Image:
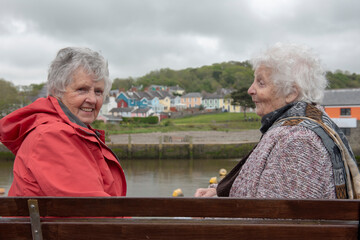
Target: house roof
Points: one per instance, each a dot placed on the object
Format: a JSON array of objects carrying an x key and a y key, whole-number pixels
[
  {"x": 149, "y": 95},
  {"x": 212, "y": 96},
  {"x": 192, "y": 94},
  {"x": 159, "y": 94},
  {"x": 142, "y": 95},
  {"x": 131, "y": 95},
  {"x": 339, "y": 97},
  {"x": 141, "y": 110},
  {"x": 175, "y": 88}
]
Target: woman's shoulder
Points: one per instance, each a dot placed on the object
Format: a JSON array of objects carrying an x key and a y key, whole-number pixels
[
  {"x": 54, "y": 126},
  {"x": 53, "y": 130},
  {"x": 298, "y": 141},
  {"x": 293, "y": 133}
]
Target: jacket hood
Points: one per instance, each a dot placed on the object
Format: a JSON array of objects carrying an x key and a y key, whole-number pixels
[{"x": 15, "y": 126}]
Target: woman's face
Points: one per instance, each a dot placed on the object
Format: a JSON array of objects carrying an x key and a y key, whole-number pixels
[
  {"x": 263, "y": 92},
  {"x": 84, "y": 96}
]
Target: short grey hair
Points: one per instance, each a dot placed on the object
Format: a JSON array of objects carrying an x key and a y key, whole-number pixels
[
  {"x": 292, "y": 66},
  {"x": 71, "y": 59}
]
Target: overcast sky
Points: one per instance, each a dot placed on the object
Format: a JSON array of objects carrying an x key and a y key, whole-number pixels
[{"x": 139, "y": 36}]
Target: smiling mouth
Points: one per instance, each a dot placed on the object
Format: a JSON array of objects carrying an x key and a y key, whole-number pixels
[{"x": 87, "y": 109}]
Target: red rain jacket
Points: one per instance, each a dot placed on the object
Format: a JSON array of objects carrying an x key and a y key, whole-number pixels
[{"x": 56, "y": 156}]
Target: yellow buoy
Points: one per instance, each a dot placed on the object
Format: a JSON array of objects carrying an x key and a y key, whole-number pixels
[
  {"x": 213, "y": 180},
  {"x": 178, "y": 193},
  {"x": 222, "y": 172}
]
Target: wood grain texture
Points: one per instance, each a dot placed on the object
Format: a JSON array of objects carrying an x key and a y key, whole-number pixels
[{"x": 182, "y": 218}]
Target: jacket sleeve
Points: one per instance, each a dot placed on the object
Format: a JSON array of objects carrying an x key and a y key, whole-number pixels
[
  {"x": 298, "y": 166},
  {"x": 62, "y": 164}
]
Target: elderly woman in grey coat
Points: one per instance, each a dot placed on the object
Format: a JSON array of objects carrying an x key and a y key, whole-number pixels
[{"x": 302, "y": 153}]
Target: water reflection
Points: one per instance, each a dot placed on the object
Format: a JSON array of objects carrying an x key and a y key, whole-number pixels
[
  {"x": 155, "y": 178},
  {"x": 6, "y": 175},
  {"x": 158, "y": 178}
]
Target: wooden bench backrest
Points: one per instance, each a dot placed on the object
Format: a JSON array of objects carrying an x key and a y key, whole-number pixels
[{"x": 180, "y": 218}]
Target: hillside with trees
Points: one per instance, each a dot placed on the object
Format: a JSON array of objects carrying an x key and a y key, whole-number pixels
[
  {"x": 341, "y": 79},
  {"x": 232, "y": 74},
  {"x": 207, "y": 78}
]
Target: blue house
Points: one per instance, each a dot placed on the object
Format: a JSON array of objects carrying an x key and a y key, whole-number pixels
[
  {"x": 154, "y": 102},
  {"x": 132, "y": 99}
]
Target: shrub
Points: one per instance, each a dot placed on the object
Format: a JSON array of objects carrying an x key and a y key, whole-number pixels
[
  {"x": 167, "y": 123},
  {"x": 98, "y": 124}
]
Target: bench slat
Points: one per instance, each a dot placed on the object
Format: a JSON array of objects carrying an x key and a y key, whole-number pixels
[
  {"x": 173, "y": 218},
  {"x": 207, "y": 231},
  {"x": 199, "y": 230},
  {"x": 15, "y": 231},
  {"x": 186, "y": 207}
]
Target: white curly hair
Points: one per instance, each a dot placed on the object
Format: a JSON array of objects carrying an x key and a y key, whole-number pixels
[{"x": 294, "y": 66}]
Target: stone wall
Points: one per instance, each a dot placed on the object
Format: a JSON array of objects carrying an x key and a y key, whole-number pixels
[{"x": 181, "y": 151}]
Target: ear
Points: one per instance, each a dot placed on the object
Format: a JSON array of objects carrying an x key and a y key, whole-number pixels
[{"x": 293, "y": 95}]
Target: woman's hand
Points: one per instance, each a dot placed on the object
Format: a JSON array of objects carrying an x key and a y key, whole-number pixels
[{"x": 205, "y": 192}]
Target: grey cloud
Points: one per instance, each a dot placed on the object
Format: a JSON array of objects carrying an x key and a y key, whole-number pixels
[{"x": 138, "y": 36}]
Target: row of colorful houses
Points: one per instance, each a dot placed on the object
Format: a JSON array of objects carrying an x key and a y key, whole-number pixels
[
  {"x": 342, "y": 105},
  {"x": 160, "y": 101}
]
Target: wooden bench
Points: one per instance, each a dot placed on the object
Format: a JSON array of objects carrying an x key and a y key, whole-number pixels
[{"x": 177, "y": 218}]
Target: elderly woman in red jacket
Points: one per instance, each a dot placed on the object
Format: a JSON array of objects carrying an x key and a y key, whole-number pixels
[
  {"x": 57, "y": 152},
  {"x": 302, "y": 153}
]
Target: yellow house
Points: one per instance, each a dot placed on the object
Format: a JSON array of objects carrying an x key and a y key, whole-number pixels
[
  {"x": 227, "y": 107},
  {"x": 166, "y": 102}
]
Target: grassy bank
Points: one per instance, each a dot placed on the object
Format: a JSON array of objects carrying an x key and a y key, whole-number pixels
[{"x": 209, "y": 122}]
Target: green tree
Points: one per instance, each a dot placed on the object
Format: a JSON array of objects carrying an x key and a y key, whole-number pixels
[
  {"x": 27, "y": 94},
  {"x": 121, "y": 83},
  {"x": 9, "y": 100},
  {"x": 242, "y": 98}
]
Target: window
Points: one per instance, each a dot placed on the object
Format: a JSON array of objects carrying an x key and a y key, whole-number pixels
[
  {"x": 346, "y": 131},
  {"x": 345, "y": 112}
]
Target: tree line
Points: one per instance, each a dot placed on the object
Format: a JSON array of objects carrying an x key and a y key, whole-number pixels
[{"x": 232, "y": 75}]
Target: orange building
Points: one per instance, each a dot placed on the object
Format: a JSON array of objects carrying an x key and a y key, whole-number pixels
[
  {"x": 343, "y": 107},
  {"x": 191, "y": 100},
  {"x": 342, "y": 103}
]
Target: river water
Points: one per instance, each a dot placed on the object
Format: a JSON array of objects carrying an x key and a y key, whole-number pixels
[{"x": 155, "y": 178}]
